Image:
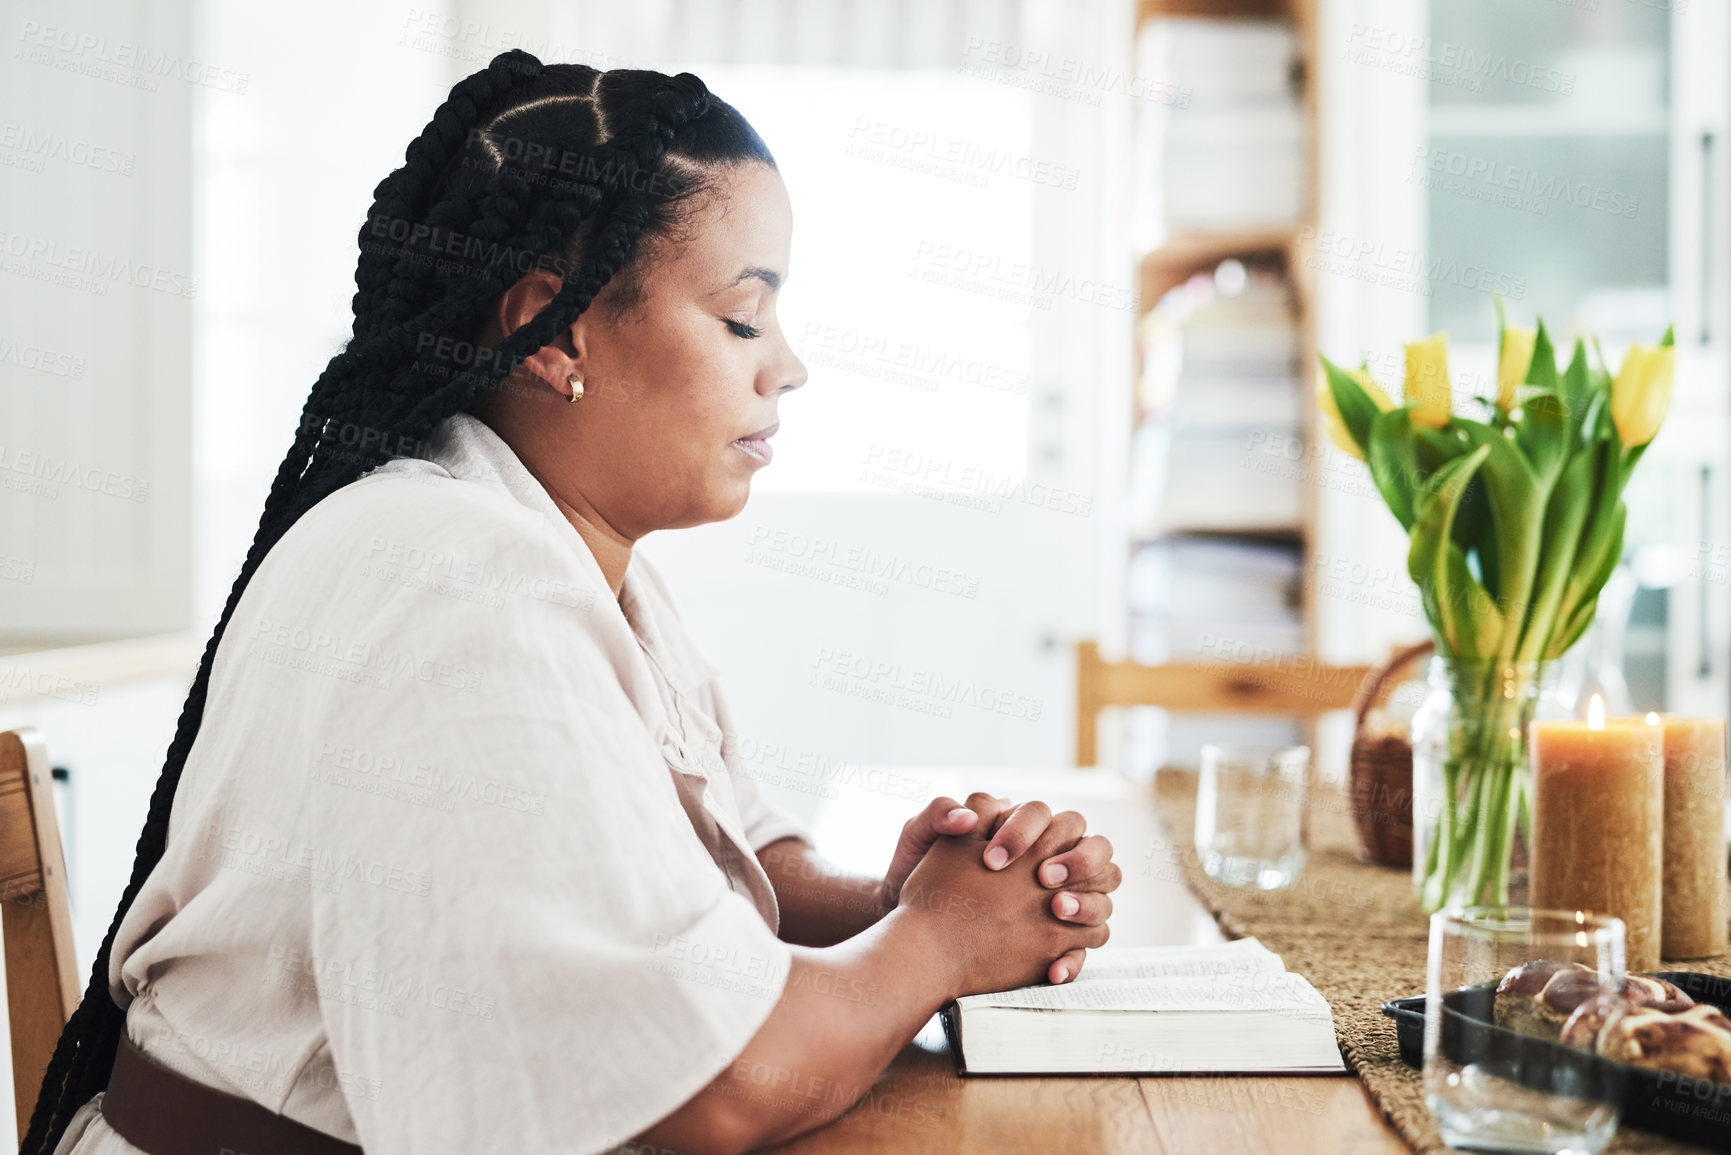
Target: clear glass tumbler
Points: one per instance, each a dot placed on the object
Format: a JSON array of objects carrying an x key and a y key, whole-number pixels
[
  {"x": 1250, "y": 827},
  {"x": 1497, "y": 1076}
]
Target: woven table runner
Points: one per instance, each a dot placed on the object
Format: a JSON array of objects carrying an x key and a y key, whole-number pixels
[{"x": 1356, "y": 933}]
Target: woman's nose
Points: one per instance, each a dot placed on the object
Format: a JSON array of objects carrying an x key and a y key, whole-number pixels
[{"x": 790, "y": 373}]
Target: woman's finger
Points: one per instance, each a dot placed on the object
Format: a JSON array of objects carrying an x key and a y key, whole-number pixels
[
  {"x": 991, "y": 809},
  {"x": 1067, "y": 966},
  {"x": 1019, "y": 830},
  {"x": 1088, "y": 866},
  {"x": 1062, "y": 833},
  {"x": 939, "y": 817},
  {"x": 1082, "y": 907}
]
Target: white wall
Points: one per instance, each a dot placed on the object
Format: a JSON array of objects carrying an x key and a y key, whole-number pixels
[{"x": 96, "y": 297}]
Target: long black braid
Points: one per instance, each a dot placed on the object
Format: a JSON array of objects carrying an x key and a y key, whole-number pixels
[{"x": 523, "y": 166}]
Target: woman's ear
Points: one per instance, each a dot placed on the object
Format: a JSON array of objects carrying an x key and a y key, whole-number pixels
[{"x": 562, "y": 357}]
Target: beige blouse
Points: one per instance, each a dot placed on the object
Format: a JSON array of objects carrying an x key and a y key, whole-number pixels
[{"x": 460, "y": 859}]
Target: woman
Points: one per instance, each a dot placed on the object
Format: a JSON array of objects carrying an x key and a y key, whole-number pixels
[{"x": 451, "y": 851}]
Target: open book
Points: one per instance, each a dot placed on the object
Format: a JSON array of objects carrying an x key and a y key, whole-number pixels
[{"x": 1151, "y": 1010}]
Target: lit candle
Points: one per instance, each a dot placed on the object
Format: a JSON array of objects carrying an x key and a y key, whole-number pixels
[
  {"x": 1598, "y": 823},
  {"x": 1693, "y": 922}
]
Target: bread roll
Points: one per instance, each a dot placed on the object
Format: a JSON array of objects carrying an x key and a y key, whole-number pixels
[
  {"x": 1541, "y": 997},
  {"x": 1695, "y": 1041},
  {"x": 1536, "y": 998}
]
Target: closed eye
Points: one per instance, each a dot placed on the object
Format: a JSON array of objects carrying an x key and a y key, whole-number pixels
[{"x": 741, "y": 329}]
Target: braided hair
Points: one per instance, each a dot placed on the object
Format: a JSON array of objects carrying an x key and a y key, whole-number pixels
[{"x": 524, "y": 166}]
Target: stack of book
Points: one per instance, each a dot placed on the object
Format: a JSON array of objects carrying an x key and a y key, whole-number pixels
[
  {"x": 1219, "y": 443},
  {"x": 1224, "y": 146},
  {"x": 1186, "y": 592}
]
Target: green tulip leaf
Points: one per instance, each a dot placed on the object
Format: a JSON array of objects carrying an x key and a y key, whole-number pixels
[
  {"x": 1570, "y": 632},
  {"x": 1576, "y": 384},
  {"x": 1473, "y": 610},
  {"x": 1517, "y": 497},
  {"x": 1595, "y": 423},
  {"x": 1579, "y": 394},
  {"x": 1462, "y": 612},
  {"x": 1475, "y": 532},
  {"x": 1565, "y": 514},
  {"x": 1610, "y": 554},
  {"x": 1600, "y": 551},
  {"x": 1490, "y": 561},
  {"x": 1602, "y": 535},
  {"x": 1357, "y": 410},
  {"x": 1436, "y": 448},
  {"x": 1543, "y": 371},
  {"x": 1545, "y": 429},
  {"x": 1393, "y": 460}
]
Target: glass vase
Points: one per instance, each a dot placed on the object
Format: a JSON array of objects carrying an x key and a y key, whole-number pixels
[{"x": 1471, "y": 792}]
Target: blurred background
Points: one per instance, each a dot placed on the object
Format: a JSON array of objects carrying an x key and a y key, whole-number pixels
[{"x": 1060, "y": 272}]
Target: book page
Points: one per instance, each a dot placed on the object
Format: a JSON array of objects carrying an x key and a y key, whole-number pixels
[
  {"x": 1258, "y": 992},
  {"x": 1244, "y": 956}
]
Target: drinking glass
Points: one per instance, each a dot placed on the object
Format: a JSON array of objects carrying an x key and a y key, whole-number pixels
[
  {"x": 1250, "y": 815},
  {"x": 1504, "y": 1082}
]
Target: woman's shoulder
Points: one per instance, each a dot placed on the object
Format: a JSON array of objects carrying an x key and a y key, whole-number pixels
[
  {"x": 406, "y": 541},
  {"x": 471, "y": 493},
  {"x": 412, "y": 498}
]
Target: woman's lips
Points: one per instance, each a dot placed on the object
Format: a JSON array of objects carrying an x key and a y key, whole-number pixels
[
  {"x": 758, "y": 447},
  {"x": 757, "y": 444}
]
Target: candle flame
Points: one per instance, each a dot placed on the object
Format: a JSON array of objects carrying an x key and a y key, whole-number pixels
[
  {"x": 1652, "y": 718},
  {"x": 1596, "y": 713}
]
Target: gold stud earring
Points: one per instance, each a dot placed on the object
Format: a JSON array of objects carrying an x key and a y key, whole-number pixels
[{"x": 576, "y": 384}]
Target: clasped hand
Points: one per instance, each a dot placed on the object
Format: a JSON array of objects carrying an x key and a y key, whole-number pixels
[{"x": 1073, "y": 864}]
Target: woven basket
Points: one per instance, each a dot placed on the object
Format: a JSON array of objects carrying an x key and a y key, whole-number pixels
[{"x": 1379, "y": 779}]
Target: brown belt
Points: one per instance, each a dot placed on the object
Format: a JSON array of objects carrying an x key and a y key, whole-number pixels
[{"x": 163, "y": 1112}]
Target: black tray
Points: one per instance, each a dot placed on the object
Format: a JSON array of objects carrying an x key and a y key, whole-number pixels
[{"x": 1666, "y": 1103}]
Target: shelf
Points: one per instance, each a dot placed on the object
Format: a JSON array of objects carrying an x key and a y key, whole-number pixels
[
  {"x": 1196, "y": 247},
  {"x": 1186, "y": 254},
  {"x": 1505, "y": 120},
  {"x": 1215, "y": 9},
  {"x": 1284, "y": 534},
  {"x": 1266, "y": 524}
]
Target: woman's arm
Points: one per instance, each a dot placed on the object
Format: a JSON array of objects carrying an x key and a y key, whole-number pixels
[
  {"x": 845, "y": 1010},
  {"x": 821, "y": 904}
]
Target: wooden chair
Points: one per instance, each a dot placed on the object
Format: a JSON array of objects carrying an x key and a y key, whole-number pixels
[
  {"x": 42, "y": 987},
  {"x": 1295, "y": 686}
]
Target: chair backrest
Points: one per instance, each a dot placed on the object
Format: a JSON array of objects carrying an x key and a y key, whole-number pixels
[
  {"x": 42, "y": 987},
  {"x": 1294, "y": 686}
]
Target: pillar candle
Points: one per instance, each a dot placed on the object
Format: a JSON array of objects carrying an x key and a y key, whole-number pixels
[
  {"x": 1693, "y": 918},
  {"x": 1598, "y": 824}
]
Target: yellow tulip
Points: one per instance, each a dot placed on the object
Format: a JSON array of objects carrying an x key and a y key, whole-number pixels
[
  {"x": 1641, "y": 392},
  {"x": 1513, "y": 361},
  {"x": 1330, "y": 412},
  {"x": 1427, "y": 381}
]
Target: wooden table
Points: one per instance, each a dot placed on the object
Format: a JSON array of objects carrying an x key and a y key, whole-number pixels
[{"x": 920, "y": 1104}]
